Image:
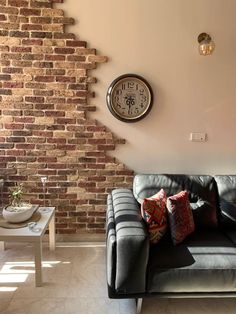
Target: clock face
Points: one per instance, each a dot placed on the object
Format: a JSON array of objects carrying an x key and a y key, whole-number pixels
[{"x": 129, "y": 98}]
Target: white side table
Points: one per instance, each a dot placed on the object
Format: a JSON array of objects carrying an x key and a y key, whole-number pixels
[{"x": 26, "y": 235}]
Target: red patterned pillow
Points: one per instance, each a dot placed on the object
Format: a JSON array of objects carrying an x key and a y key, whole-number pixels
[
  {"x": 154, "y": 213},
  {"x": 180, "y": 216}
]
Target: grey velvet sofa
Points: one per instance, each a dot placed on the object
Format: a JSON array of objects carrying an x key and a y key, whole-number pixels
[{"x": 204, "y": 265}]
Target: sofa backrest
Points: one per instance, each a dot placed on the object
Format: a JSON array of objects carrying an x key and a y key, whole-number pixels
[
  {"x": 202, "y": 193},
  {"x": 227, "y": 199}
]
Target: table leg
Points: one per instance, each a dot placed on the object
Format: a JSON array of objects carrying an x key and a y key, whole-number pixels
[
  {"x": 38, "y": 263},
  {"x": 2, "y": 245},
  {"x": 52, "y": 243}
]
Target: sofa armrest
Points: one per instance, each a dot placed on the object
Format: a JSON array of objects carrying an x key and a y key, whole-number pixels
[{"x": 127, "y": 244}]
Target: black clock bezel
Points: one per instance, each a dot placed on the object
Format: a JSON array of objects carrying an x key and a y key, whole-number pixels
[{"x": 109, "y": 98}]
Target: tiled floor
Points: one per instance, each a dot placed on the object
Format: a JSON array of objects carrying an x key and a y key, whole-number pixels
[{"x": 75, "y": 283}]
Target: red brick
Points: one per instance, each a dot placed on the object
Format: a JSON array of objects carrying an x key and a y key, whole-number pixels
[
  {"x": 21, "y": 49},
  {"x": 56, "y": 127},
  {"x": 41, "y": 35},
  {"x": 75, "y": 58},
  {"x": 32, "y": 42},
  {"x": 76, "y": 101},
  {"x": 42, "y": 133},
  {"x": 97, "y": 178},
  {"x": 36, "y": 140},
  {"x": 96, "y": 166},
  {"x": 43, "y": 64},
  {"x": 7, "y": 159},
  {"x": 77, "y": 141},
  {"x": 6, "y": 146},
  {"x": 56, "y": 140},
  {"x": 55, "y": 57},
  {"x": 29, "y": 12},
  {"x": 3, "y": 32},
  {"x": 64, "y": 35},
  {"x": 17, "y": 178},
  {"x": 12, "y": 112},
  {"x": 54, "y": 113},
  {"x": 23, "y": 64},
  {"x": 106, "y": 147},
  {"x": 125, "y": 172},
  {"x": 22, "y": 133},
  {"x": 19, "y": 34},
  {"x": 43, "y": 93},
  {"x": 18, "y": 3},
  {"x": 45, "y": 78},
  {"x": 13, "y": 126},
  {"x": 96, "y": 154},
  {"x": 96, "y": 141},
  {"x": 14, "y": 139},
  {"x": 24, "y": 119},
  {"x": 41, "y": 20},
  {"x": 63, "y": 20},
  {"x": 64, "y": 50},
  {"x": 44, "y": 106},
  {"x": 25, "y": 146},
  {"x": 9, "y": 10},
  {"x": 34, "y": 113},
  {"x": 31, "y": 27},
  {"x": 3, "y": 17},
  {"x": 40, "y": 4},
  {"x": 15, "y": 152},
  {"x": 76, "y": 43},
  {"x": 107, "y": 159},
  {"x": 35, "y": 85},
  {"x": 5, "y": 77},
  {"x": 66, "y": 79},
  {"x": 66, "y": 121},
  {"x": 55, "y": 72},
  {"x": 66, "y": 147},
  {"x": 58, "y": 100},
  {"x": 35, "y": 99},
  {"x": 12, "y": 70}
]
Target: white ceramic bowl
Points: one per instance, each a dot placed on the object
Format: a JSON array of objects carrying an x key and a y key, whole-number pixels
[{"x": 18, "y": 214}]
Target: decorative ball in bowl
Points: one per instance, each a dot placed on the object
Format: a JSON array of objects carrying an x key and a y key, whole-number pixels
[{"x": 20, "y": 213}]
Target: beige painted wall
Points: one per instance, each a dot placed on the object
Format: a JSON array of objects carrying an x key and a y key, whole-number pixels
[{"x": 158, "y": 40}]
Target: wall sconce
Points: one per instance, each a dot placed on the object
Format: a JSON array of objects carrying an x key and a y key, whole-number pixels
[{"x": 206, "y": 44}]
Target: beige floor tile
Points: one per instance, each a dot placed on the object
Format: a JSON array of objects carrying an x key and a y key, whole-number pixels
[
  {"x": 127, "y": 306},
  {"x": 36, "y": 306},
  {"x": 75, "y": 283},
  {"x": 158, "y": 306},
  {"x": 4, "y": 303},
  {"x": 102, "y": 306}
]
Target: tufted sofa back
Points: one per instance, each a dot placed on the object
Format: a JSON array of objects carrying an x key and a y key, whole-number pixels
[{"x": 202, "y": 193}]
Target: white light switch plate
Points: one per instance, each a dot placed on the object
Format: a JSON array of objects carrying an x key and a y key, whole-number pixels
[{"x": 198, "y": 137}]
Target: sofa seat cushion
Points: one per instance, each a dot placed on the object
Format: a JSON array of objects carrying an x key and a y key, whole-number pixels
[{"x": 204, "y": 262}]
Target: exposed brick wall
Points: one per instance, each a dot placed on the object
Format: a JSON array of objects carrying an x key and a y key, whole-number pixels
[{"x": 45, "y": 127}]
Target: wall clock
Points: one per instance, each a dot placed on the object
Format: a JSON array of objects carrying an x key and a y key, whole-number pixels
[{"x": 129, "y": 97}]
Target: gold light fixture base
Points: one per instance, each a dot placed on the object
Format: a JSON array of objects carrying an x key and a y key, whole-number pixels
[
  {"x": 206, "y": 44},
  {"x": 203, "y": 36}
]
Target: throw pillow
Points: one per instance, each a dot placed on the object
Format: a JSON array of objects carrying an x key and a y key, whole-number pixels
[
  {"x": 154, "y": 213},
  {"x": 180, "y": 216}
]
